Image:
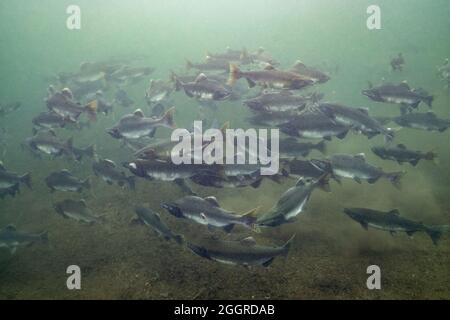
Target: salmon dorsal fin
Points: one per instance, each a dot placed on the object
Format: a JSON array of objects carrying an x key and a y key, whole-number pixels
[
  {"x": 212, "y": 200},
  {"x": 109, "y": 163},
  {"x": 404, "y": 85},
  {"x": 298, "y": 64},
  {"x": 401, "y": 146},
  {"x": 249, "y": 241},
  {"x": 139, "y": 113},
  {"x": 269, "y": 67},
  {"x": 395, "y": 212},
  {"x": 65, "y": 172},
  {"x": 200, "y": 77},
  {"x": 360, "y": 156},
  {"x": 2, "y": 167}
]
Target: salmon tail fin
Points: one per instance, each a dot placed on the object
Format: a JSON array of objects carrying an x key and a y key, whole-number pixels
[
  {"x": 287, "y": 245},
  {"x": 26, "y": 178},
  {"x": 235, "y": 74},
  {"x": 91, "y": 110},
  {"x": 167, "y": 118},
  {"x": 395, "y": 178},
  {"x": 436, "y": 232}
]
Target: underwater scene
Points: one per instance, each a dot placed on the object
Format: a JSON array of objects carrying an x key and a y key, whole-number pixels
[{"x": 195, "y": 149}]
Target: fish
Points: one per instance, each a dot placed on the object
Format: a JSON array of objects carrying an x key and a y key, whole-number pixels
[
  {"x": 402, "y": 154},
  {"x": 107, "y": 170},
  {"x": 10, "y": 181},
  {"x": 240, "y": 56},
  {"x": 315, "y": 126},
  {"x": 122, "y": 99},
  {"x": 423, "y": 121},
  {"x": 292, "y": 202},
  {"x": 292, "y": 147},
  {"x": 63, "y": 104},
  {"x": 207, "y": 211},
  {"x": 48, "y": 143},
  {"x": 152, "y": 219},
  {"x": 307, "y": 169},
  {"x": 76, "y": 210},
  {"x": 203, "y": 88},
  {"x": 209, "y": 65},
  {"x": 136, "y": 125},
  {"x": 356, "y": 118},
  {"x": 283, "y": 102},
  {"x": 235, "y": 176},
  {"x": 400, "y": 94},
  {"x": 167, "y": 171},
  {"x": 89, "y": 151},
  {"x": 355, "y": 167},
  {"x": 269, "y": 78},
  {"x": 397, "y": 63},
  {"x": 161, "y": 149},
  {"x": 244, "y": 252},
  {"x": 11, "y": 238},
  {"x": 158, "y": 91},
  {"x": 130, "y": 74},
  {"x": 49, "y": 120},
  {"x": 312, "y": 73},
  {"x": 392, "y": 222},
  {"x": 64, "y": 180},
  {"x": 9, "y": 108}
]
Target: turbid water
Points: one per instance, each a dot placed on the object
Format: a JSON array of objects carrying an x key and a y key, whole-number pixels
[{"x": 330, "y": 254}]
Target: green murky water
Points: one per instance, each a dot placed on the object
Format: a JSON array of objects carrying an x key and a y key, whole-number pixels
[{"x": 330, "y": 253}]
